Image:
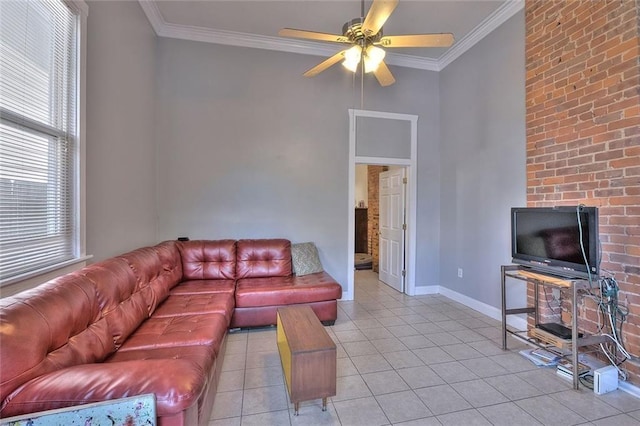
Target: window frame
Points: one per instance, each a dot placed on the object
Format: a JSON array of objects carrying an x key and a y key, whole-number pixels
[{"x": 34, "y": 277}]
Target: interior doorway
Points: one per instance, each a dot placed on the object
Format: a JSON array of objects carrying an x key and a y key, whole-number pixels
[
  {"x": 380, "y": 222},
  {"x": 392, "y": 209},
  {"x": 388, "y": 141}
]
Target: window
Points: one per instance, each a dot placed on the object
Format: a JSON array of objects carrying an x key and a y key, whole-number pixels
[{"x": 39, "y": 142}]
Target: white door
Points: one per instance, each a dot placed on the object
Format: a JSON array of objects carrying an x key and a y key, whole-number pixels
[{"x": 392, "y": 226}]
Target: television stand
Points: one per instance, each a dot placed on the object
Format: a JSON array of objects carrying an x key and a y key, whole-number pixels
[
  {"x": 548, "y": 278},
  {"x": 536, "y": 335}
]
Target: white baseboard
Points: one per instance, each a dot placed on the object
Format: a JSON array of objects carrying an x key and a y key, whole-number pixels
[
  {"x": 490, "y": 311},
  {"x": 346, "y": 296},
  {"x": 429, "y": 289},
  {"x": 629, "y": 388}
]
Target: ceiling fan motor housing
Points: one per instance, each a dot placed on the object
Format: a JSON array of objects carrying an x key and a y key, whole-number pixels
[{"x": 353, "y": 31}]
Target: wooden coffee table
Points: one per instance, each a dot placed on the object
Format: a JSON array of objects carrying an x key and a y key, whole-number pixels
[{"x": 308, "y": 356}]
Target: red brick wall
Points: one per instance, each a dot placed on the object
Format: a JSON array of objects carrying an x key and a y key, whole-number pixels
[
  {"x": 373, "y": 219},
  {"x": 583, "y": 130}
]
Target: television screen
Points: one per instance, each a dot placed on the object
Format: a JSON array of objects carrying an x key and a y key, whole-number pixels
[{"x": 557, "y": 240}]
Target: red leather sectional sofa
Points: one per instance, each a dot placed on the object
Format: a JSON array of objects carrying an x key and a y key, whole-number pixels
[{"x": 153, "y": 320}]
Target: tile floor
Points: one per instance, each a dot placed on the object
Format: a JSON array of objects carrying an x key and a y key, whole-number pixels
[{"x": 423, "y": 360}]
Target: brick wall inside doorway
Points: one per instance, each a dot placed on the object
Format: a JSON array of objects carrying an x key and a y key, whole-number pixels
[{"x": 373, "y": 213}]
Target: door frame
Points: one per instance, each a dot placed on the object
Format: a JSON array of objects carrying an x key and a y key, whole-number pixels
[{"x": 412, "y": 174}]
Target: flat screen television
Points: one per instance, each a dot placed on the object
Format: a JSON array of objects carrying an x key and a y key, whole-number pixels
[{"x": 561, "y": 241}]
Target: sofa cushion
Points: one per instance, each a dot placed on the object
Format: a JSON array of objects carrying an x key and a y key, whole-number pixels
[
  {"x": 202, "y": 355},
  {"x": 276, "y": 291},
  {"x": 171, "y": 264},
  {"x": 52, "y": 326},
  {"x": 208, "y": 260},
  {"x": 183, "y": 330},
  {"x": 305, "y": 259},
  {"x": 204, "y": 286},
  {"x": 151, "y": 277},
  {"x": 263, "y": 258},
  {"x": 191, "y": 304},
  {"x": 177, "y": 384},
  {"x": 122, "y": 302}
]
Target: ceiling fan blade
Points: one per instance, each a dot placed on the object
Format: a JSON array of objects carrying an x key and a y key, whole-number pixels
[
  {"x": 378, "y": 14},
  {"x": 417, "y": 40},
  {"x": 383, "y": 75},
  {"x": 312, "y": 35},
  {"x": 325, "y": 64}
]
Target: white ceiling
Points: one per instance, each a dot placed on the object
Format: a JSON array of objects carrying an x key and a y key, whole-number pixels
[{"x": 255, "y": 23}]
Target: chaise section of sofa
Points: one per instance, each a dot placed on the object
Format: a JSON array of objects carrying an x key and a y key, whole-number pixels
[{"x": 266, "y": 283}]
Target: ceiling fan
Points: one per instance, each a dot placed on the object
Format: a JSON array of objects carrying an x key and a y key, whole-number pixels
[{"x": 365, "y": 34}]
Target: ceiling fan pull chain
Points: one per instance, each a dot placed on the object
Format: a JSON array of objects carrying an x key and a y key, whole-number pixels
[{"x": 362, "y": 75}]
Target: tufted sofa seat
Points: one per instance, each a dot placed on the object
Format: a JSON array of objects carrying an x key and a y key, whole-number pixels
[
  {"x": 153, "y": 320},
  {"x": 265, "y": 283}
]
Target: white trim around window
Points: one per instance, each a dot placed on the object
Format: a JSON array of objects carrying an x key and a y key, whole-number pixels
[{"x": 43, "y": 129}]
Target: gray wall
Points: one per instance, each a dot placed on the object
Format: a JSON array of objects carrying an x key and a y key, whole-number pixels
[
  {"x": 482, "y": 160},
  {"x": 209, "y": 141},
  {"x": 121, "y": 180},
  {"x": 380, "y": 137},
  {"x": 417, "y": 92},
  {"x": 249, "y": 148}
]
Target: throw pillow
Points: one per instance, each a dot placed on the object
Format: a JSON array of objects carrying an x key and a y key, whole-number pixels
[{"x": 305, "y": 259}]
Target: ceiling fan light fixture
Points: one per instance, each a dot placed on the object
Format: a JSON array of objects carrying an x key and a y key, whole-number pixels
[
  {"x": 352, "y": 58},
  {"x": 372, "y": 58}
]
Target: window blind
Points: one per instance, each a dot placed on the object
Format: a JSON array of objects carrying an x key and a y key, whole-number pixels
[{"x": 38, "y": 61}]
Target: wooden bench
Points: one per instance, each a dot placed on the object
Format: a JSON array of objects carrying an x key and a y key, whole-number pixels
[{"x": 308, "y": 356}]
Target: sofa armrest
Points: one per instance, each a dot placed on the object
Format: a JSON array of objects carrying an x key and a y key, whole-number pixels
[{"x": 177, "y": 384}]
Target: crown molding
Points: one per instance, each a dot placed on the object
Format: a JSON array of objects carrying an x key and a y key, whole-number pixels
[
  {"x": 154, "y": 16},
  {"x": 163, "y": 28},
  {"x": 493, "y": 21},
  {"x": 411, "y": 61},
  {"x": 233, "y": 38},
  {"x": 239, "y": 39}
]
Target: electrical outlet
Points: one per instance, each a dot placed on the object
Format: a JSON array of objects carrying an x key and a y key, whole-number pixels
[{"x": 459, "y": 272}]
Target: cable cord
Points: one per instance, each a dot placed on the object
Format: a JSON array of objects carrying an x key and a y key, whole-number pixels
[
  {"x": 584, "y": 254},
  {"x": 609, "y": 309},
  {"x": 621, "y": 372},
  {"x": 546, "y": 298},
  {"x": 612, "y": 311},
  {"x": 586, "y": 381}
]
